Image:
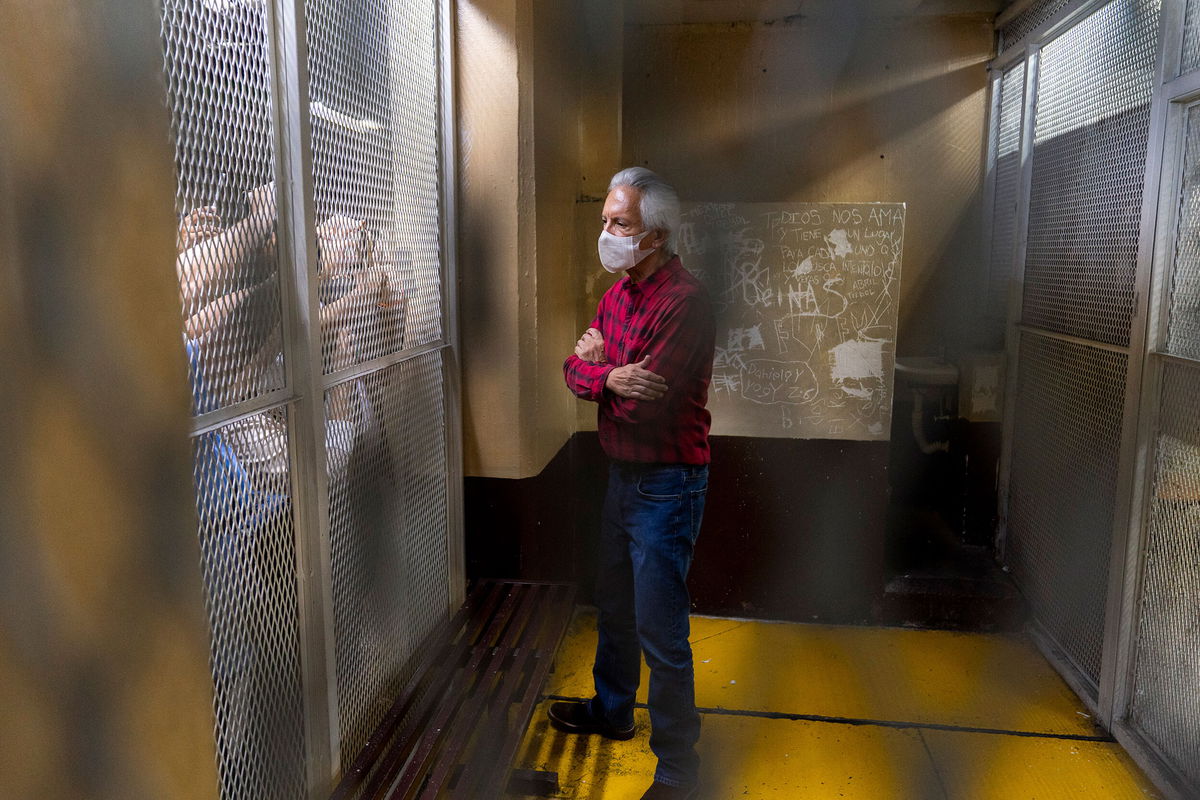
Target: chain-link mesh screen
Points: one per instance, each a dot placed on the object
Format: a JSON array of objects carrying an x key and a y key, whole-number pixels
[
  {"x": 248, "y": 555},
  {"x": 218, "y": 81},
  {"x": 1092, "y": 128},
  {"x": 1191, "y": 38},
  {"x": 1007, "y": 185},
  {"x": 1166, "y": 697},
  {"x": 374, "y": 100},
  {"x": 1183, "y": 336},
  {"x": 1029, "y": 20},
  {"x": 387, "y": 479},
  {"x": 1065, "y": 448}
]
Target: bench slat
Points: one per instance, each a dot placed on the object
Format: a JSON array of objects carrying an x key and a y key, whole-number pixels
[
  {"x": 456, "y": 726},
  {"x": 492, "y": 700},
  {"x": 429, "y": 679},
  {"x": 485, "y": 659},
  {"x": 527, "y": 678},
  {"x": 558, "y": 613}
]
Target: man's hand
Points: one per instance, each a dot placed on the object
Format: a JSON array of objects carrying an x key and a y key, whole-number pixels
[
  {"x": 261, "y": 200},
  {"x": 197, "y": 225},
  {"x": 636, "y": 382},
  {"x": 340, "y": 243},
  {"x": 590, "y": 346}
]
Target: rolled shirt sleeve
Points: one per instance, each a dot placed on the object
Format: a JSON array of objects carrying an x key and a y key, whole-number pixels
[{"x": 584, "y": 378}]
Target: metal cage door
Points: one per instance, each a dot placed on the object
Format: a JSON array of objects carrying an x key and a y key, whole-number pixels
[{"x": 315, "y": 272}]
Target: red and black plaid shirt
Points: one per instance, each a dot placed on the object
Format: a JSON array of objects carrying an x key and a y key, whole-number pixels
[{"x": 667, "y": 317}]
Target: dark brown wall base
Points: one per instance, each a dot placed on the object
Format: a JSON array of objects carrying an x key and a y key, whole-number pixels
[
  {"x": 539, "y": 528},
  {"x": 793, "y": 529}
]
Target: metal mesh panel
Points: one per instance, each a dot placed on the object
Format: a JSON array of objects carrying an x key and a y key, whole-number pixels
[
  {"x": 1093, "y": 116},
  {"x": 248, "y": 557},
  {"x": 1030, "y": 20},
  {"x": 1007, "y": 184},
  {"x": 1063, "y": 487},
  {"x": 1183, "y": 337},
  {"x": 374, "y": 95},
  {"x": 1191, "y": 38},
  {"x": 218, "y": 82},
  {"x": 387, "y": 475},
  {"x": 1166, "y": 698}
]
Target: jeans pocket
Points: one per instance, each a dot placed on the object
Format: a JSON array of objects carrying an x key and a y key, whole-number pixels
[
  {"x": 697, "y": 513},
  {"x": 661, "y": 484}
]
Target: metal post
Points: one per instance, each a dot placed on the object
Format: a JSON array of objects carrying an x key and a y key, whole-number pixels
[
  {"x": 1017, "y": 291},
  {"x": 1164, "y": 169},
  {"x": 306, "y": 420},
  {"x": 451, "y": 372},
  {"x": 995, "y": 82}
]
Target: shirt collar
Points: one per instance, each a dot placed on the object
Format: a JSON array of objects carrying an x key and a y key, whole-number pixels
[{"x": 659, "y": 277}]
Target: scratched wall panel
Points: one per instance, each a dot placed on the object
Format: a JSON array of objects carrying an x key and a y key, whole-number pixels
[{"x": 805, "y": 300}]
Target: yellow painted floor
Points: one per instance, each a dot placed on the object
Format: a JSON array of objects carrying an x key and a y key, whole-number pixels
[{"x": 817, "y": 711}]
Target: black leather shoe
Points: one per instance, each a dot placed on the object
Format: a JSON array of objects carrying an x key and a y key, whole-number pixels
[
  {"x": 661, "y": 791},
  {"x": 574, "y": 717}
]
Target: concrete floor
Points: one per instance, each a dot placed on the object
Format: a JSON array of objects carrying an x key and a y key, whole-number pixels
[{"x": 818, "y": 711}]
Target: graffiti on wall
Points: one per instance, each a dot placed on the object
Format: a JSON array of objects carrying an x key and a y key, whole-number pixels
[{"x": 805, "y": 296}]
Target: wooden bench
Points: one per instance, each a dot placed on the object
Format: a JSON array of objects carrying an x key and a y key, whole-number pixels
[{"x": 455, "y": 728}]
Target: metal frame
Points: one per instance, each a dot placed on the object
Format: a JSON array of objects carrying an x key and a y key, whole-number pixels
[
  {"x": 331, "y": 379},
  {"x": 1176, "y": 95},
  {"x": 1070, "y": 339},
  {"x": 1142, "y": 478},
  {"x": 451, "y": 369},
  {"x": 306, "y": 420},
  {"x": 1152, "y": 763},
  {"x": 1049, "y": 30},
  {"x": 995, "y": 80},
  {"x": 1144, "y": 751},
  {"x": 1016, "y": 295},
  {"x": 1031, "y": 53},
  {"x": 219, "y": 418},
  {"x": 1172, "y": 97},
  {"x": 1125, "y": 560},
  {"x": 1184, "y": 86},
  {"x": 305, "y": 385}
]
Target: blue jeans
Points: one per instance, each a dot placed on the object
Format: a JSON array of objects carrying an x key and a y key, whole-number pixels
[{"x": 648, "y": 531}]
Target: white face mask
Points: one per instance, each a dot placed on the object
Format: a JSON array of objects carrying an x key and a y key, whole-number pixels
[{"x": 619, "y": 253}]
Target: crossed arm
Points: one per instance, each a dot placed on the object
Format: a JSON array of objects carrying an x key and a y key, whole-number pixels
[
  {"x": 633, "y": 381},
  {"x": 643, "y": 390}
]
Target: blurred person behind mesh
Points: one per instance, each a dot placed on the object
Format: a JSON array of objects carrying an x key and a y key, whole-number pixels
[
  {"x": 229, "y": 288},
  {"x": 230, "y": 294}
]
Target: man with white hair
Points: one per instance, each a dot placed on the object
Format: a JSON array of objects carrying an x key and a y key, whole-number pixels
[{"x": 646, "y": 360}]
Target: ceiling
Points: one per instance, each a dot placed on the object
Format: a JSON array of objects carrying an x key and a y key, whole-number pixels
[{"x": 670, "y": 12}]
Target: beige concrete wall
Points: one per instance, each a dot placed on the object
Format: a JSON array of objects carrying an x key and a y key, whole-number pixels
[
  {"x": 734, "y": 100},
  {"x": 492, "y": 241},
  {"x": 105, "y": 690},
  {"x": 601, "y": 89},
  {"x": 847, "y": 102},
  {"x": 557, "y": 172},
  {"x": 539, "y": 88},
  {"x": 844, "y": 102}
]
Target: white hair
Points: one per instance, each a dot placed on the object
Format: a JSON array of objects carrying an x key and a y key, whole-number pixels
[{"x": 658, "y": 201}]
